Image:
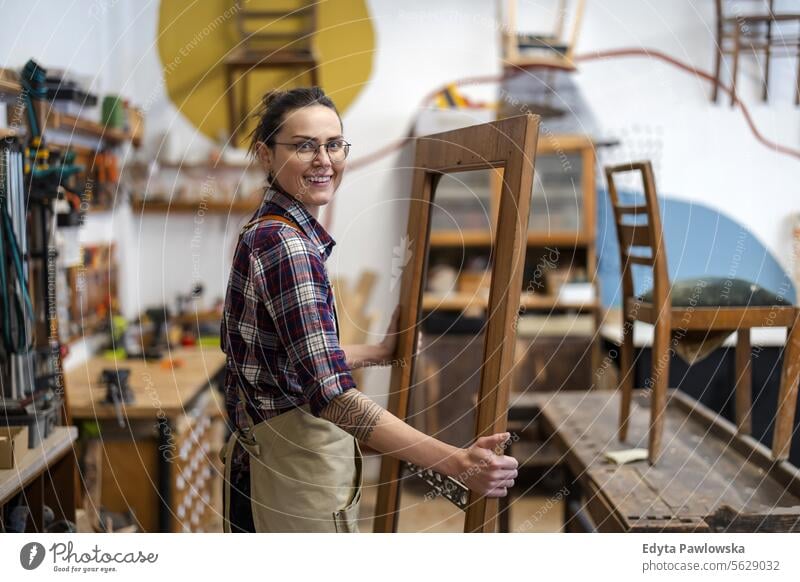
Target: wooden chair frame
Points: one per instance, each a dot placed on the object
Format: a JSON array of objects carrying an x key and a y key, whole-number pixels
[
  {"x": 754, "y": 33},
  {"x": 245, "y": 58},
  {"x": 667, "y": 318},
  {"x": 511, "y": 50},
  {"x": 509, "y": 144}
]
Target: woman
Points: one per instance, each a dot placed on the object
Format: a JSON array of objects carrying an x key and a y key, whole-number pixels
[{"x": 293, "y": 463}]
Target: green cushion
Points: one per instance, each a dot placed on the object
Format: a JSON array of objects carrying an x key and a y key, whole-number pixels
[{"x": 720, "y": 292}]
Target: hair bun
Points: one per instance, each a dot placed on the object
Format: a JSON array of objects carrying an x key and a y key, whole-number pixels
[
  {"x": 273, "y": 96},
  {"x": 274, "y": 107}
]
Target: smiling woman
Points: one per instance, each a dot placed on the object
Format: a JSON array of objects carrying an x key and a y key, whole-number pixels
[
  {"x": 294, "y": 129},
  {"x": 293, "y": 462}
]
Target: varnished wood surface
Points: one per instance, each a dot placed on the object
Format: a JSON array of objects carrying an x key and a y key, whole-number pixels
[
  {"x": 509, "y": 144},
  {"x": 708, "y": 478},
  {"x": 36, "y": 460},
  {"x": 158, "y": 390}
]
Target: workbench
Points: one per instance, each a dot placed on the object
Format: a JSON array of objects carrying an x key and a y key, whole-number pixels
[
  {"x": 162, "y": 464},
  {"x": 708, "y": 479},
  {"x": 46, "y": 476},
  {"x": 711, "y": 380}
]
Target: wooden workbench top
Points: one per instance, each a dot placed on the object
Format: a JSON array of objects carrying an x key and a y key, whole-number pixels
[
  {"x": 643, "y": 333},
  {"x": 36, "y": 460},
  {"x": 707, "y": 479},
  {"x": 159, "y": 391}
]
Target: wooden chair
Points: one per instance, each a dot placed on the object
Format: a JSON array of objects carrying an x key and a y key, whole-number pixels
[
  {"x": 635, "y": 236},
  {"x": 753, "y": 31},
  {"x": 270, "y": 39},
  {"x": 552, "y": 49}
]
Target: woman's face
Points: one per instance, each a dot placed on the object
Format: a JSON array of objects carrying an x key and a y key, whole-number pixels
[{"x": 311, "y": 182}]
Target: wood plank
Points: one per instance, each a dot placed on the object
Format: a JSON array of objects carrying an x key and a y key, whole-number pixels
[
  {"x": 72, "y": 124},
  {"x": 744, "y": 382},
  {"x": 9, "y": 90},
  {"x": 787, "y": 396},
  {"x": 483, "y": 237},
  {"x": 634, "y": 235},
  {"x": 239, "y": 206},
  {"x": 634, "y": 209},
  {"x": 638, "y": 260},
  {"x": 460, "y": 301}
]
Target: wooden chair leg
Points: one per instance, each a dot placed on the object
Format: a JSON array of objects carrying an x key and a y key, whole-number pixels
[
  {"x": 787, "y": 395},
  {"x": 660, "y": 381},
  {"x": 797, "y": 81},
  {"x": 231, "y": 99},
  {"x": 433, "y": 394},
  {"x": 735, "y": 72},
  {"x": 504, "y": 514},
  {"x": 744, "y": 382},
  {"x": 717, "y": 65},
  {"x": 244, "y": 104},
  {"x": 626, "y": 378},
  {"x": 767, "y": 58}
]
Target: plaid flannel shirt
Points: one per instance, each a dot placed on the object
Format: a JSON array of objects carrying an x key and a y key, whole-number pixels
[{"x": 279, "y": 329}]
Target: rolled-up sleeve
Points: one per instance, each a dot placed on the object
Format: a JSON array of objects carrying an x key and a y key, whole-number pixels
[{"x": 289, "y": 277}]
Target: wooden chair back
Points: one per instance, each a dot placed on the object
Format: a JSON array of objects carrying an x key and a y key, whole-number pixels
[
  {"x": 290, "y": 28},
  {"x": 639, "y": 230}
]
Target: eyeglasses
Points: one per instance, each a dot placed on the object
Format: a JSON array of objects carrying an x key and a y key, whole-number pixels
[{"x": 307, "y": 151}]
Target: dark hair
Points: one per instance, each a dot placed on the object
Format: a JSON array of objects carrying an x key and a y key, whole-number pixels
[{"x": 275, "y": 105}]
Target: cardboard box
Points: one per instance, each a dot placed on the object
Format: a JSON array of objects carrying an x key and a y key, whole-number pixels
[{"x": 13, "y": 444}]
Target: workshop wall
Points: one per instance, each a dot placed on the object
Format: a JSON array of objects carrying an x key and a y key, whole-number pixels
[{"x": 697, "y": 147}]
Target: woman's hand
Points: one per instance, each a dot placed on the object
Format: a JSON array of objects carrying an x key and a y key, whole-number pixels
[
  {"x": 389, "y": 343},
  {"x": 381, "y": 354},
  {"x": 485, "y": 469}
]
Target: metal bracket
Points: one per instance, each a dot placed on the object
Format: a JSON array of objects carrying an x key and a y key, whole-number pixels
[{"x": 451, "y": 489}]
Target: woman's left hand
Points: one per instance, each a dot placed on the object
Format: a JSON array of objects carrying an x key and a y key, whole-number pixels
[{"x": 389, "y": 343}]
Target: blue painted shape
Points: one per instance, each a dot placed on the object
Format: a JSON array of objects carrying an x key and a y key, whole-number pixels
[{"x": 700, "y": 242}]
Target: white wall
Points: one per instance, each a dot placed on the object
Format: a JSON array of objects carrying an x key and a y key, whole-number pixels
[{"x": 709, "y": 155}]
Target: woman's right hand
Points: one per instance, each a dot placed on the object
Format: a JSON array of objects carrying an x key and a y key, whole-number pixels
[{"x": 485, "y": 469}]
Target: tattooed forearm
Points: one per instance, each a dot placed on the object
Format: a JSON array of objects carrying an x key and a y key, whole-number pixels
[{"x": 354, "y": 413}]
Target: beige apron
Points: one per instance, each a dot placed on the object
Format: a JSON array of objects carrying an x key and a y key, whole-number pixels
[
  {"x": 305, "y": 475},
  {"x": 305, "y": 472}
]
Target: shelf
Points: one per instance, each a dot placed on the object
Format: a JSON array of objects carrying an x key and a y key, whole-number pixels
[
  {"x": 71, "y": 124},
  {"x": 8, "y": 132},
  {"x": 9, "y": 90},
  {"x": 457, "y": 238},
  {"x": 91, "y": 324},
  {"x": 35, "y": 461},
  {"x": 161, "y": 207},
  {"x": 472, "y": 238},
  {"x": 531, "y": 301},
  {"x": 221, "y": 165},
  {"x": 461, "y": 301}
]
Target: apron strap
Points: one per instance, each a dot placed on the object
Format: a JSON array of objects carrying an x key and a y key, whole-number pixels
[
  {"x": 266, "y": 217},
  {"x": 246, "y": 438},
  {"x": 227, "y": 458}
]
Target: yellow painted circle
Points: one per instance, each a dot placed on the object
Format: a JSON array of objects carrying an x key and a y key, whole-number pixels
[{"x": 194, "y": 40}]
